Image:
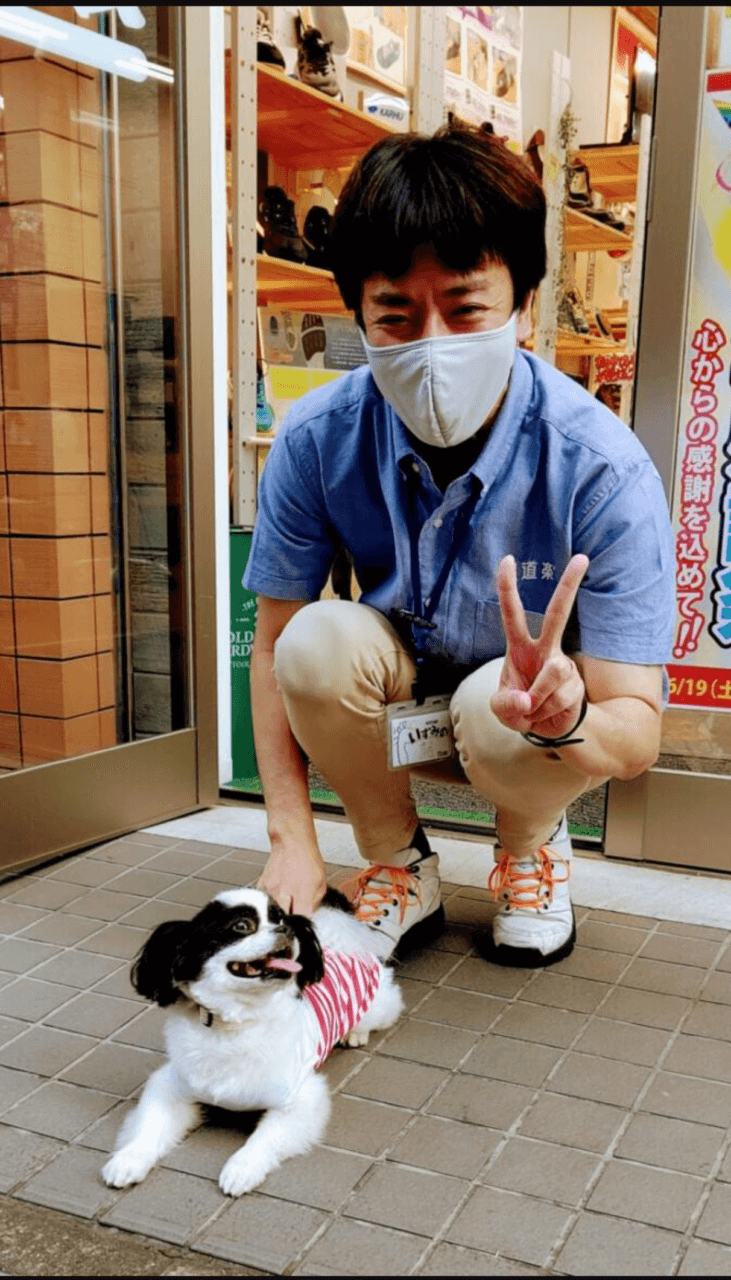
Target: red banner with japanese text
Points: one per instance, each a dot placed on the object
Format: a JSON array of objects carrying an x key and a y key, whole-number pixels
[{"x": 700, "y": 674}]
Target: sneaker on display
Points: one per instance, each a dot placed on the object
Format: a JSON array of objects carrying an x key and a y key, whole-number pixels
[
  {"x": 400, "y": 904},
  {"x": 535, "y": 924},
  {"x": 266, "y": 50}
]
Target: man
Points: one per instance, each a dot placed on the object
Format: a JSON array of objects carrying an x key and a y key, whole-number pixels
[{"x": 511, "y": 541}]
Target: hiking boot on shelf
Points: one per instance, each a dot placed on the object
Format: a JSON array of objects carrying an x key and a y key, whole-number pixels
[
  {"x": 315, "y": 63},
  {"x": 281, "y": 237}
]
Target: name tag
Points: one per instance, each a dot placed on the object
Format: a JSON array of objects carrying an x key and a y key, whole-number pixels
[{"x": 419, "y": 735}]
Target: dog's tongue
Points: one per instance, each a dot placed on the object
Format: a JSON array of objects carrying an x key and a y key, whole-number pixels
[{"x": 280, "y": 962}]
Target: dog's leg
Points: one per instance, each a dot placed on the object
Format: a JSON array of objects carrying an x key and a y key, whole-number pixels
[
  {"x": 384, "y": 1011},
  {"x": 160, "y": 1120},
  {"x": 282, "y": 1132}
]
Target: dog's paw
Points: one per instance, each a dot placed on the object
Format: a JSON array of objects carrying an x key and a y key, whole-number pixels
[
  {"x": 125, "y": 1167},
  {"x": 355, "y": 1039},
  {"x": 239, "y": 1176}
]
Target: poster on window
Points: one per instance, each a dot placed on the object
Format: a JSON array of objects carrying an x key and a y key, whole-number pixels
[
  {"x": 482, "y": 68},
  {"x": 378, "y": 40},
  {"x": 700, "y": 675},
  {"x": 299, "y": 352}
]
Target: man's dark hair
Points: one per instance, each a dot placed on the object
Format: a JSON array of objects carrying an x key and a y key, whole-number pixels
[{"x": 459, "y": 190}]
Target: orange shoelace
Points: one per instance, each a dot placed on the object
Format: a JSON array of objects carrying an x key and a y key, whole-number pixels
[
  {"x": 371, "y": 898},
  {"x": 532, "y": 889}
]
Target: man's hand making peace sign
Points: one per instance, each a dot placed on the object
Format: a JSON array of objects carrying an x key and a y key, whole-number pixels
[{"x": 540, "y": 690}]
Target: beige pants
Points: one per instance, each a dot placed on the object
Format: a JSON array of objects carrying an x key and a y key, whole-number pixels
[{"x": 338, "y": 665}]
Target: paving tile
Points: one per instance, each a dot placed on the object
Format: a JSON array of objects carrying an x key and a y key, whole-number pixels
[
  {"x": 363, "y": 1126},
  {"x": 72, "y": 1184},
  {"x": 718, "y": 988},
  {"x": 22, "y": 1154},
  {"x": 60, "y": 1110},
  {"x": 14, "y": 917},
  {"x": 623, "y": 1041},
  {"x": 612, "y": 937},
  {"x": 77, "y": 969},
  {"x": 699, "y": 1056},
  {"x": 232, "y": 871},
  {"x": 715, "y": 1221},
  {"x": 680, "y": 950},
  {"x": 645, "y": 1008},
  {"x": 502, "y": 1058},
  {"x": 426, "y": 965},
  {"x": 119, "y": 940},
  {"x": 456, "y": 938},
  {"x": 19, "y": 955},
  {"x": 705, "y": 1259},
  {"x": 119, "y": 984},
  {"x": 455, "y": 1260},
  {"x": 446, "y": 1146},
  {"x": 542, "y": 1169},
  {"x": 350, "y": 1248},
  {"x": 724, "y": 964},
  {"x": 178, "y": 862},
  {"x": 489, "y": 1102},
  {"x": 204, "y": 1152},
  {"x": 655, "y": 1196},
  {"x": 622, "y": 917},
  {"x": 151, "y": 837},
  {"x": 661, "y": 976},
  {"x": 692, "y": 930},
  {"x": 31, "y": 1000},
  {"x": 341, "y": 1064},
  {"x": 671, "y": 1144},
  {"x": 116, "y": 1068},
  {"x": 49, "y": 894},
  {"x": 144, "y": 882},
  {"x": 724, "y": 1173},
  {"x": 260, "y": 1231},
  {"x": 44, "y": 1050},
  {"x": 468, "y": 1009},
  {"x": 14, "y": 1085},
  {"x": 585, "y": 1076},
  {"x": 592, "y": 962},
  {"x": 405, "y": 1084},
  {"x": 10, "y": 1028},
  {"x": 322, "y": 1179},
  {"x": 572, "y": 1122},
  {"x": 540, "y": 1024},
  {"x": 462, "y": 908},
  {"x": 94, "y": 1014},
  {"x": 426, "y": 1042},
  {"x": 581, "y": 995},
  {"x": 415, "y": 1200},
  {"x": 104, "y": 904},
  {"x": 475, "y": 974},
  {"x": 153, "y": 913},
  {"x": 102, "y": 1134},
  {"x": 147, "y": 1031},
  {"x": 85, "y": 871},
  {"x": 193, "y": 892},
  {"x": 683, "y": 1098},
  {"x": 168, "y": 1206},
  {"x": 125, "y": 852},
  {"x": 65, "y": 930},
  {"x": 605, "y": 1246},
  {"x": 520, "y": 1227}
]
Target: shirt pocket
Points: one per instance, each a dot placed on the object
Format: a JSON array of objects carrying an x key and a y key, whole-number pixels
[{"x": 489, "y": 636}]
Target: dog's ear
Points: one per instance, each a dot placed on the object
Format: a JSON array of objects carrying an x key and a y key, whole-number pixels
[
  {"x": 152, "y": 971},
  {"x": 310, "y": 952}
]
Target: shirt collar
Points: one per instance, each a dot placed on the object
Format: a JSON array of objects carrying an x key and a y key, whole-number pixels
[{"x": 504, "y": 429}]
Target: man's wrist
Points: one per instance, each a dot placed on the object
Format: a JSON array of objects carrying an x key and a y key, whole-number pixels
[{"x": 565, "y": 739}]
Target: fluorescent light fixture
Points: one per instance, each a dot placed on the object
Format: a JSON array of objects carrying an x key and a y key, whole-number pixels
[{"x": 52, "y": 35}]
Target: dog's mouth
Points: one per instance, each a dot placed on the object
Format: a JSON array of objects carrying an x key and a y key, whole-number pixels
[{"x": 278, "y": 964}]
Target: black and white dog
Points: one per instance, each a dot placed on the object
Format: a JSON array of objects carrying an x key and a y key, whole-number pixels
[{"x": 258, "y": 998}]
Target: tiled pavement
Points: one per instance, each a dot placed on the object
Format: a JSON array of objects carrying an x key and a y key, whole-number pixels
[{"x": 573, "y": 1121}]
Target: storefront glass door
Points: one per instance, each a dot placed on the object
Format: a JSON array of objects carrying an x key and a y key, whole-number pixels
[{"x": 94, "y": 598}]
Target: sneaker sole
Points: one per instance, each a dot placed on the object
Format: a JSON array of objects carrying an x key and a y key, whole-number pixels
[
  {"x": 420, "y": 934},
  {"x": 522, "y": 957}
]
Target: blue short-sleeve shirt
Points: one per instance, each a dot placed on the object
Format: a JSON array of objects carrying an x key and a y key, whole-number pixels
[{"x": 559, "y": 474}]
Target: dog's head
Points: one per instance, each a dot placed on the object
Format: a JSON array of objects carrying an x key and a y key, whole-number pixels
[{"x": 241, "y": 943}]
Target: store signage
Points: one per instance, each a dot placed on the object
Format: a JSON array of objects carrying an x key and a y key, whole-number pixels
[
  {"x": 52, "y": 35},
  {"x": 700, "y": 675}
]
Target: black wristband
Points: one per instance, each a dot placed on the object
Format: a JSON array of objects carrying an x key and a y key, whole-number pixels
[{"x": 567, "y": 740}]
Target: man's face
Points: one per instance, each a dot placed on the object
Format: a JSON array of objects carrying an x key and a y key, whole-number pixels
[{"x": 432, "y": 301}]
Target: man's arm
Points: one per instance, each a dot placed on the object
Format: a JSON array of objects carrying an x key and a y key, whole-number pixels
[
  {"x": 622, "y": 726},
  {"x": 295, "y": 872}
]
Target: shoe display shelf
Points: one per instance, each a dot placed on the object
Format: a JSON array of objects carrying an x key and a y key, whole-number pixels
[{"x": 613, "y": 172}]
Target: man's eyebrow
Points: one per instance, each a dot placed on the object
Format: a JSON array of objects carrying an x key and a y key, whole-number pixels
[{"x": 386, "y": 298}]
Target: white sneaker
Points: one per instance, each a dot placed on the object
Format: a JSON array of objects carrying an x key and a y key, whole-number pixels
[
  {"x": 536, "y": 925},
  {"x": 400, "y": 904}
]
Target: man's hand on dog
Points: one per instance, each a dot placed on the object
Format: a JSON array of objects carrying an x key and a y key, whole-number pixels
[
  {"x": 295, "y": 879},
  {"x": 540, "y": 690}
]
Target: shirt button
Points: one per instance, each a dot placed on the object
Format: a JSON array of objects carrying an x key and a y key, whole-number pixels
[{"x": 438, "y": 522}]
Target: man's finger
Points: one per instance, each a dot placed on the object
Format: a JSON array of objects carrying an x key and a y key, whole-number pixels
[
  {"x": 562, "y": 601},
  {"x": 550, "y": 678},
  {"x": 511, "y": 607}
]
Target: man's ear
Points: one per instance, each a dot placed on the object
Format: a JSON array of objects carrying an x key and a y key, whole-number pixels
[{"x": 525, "y": 318}]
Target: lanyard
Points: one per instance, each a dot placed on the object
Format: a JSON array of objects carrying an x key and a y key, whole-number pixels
[{"x": 421, "y": 613}]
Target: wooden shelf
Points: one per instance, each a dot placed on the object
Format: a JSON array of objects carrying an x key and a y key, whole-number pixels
[
  {"x": 583, "y": 234},
  {"x": 304, "y": 129},
  {"x": 612, "y": 170},
  {"x": 292, "y": 284},
  {"x": 576, "y": 344}
]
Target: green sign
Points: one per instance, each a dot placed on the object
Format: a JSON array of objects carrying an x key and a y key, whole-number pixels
[{"x": 243, "y": 622}]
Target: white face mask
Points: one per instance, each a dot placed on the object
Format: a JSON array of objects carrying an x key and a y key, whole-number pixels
[{"x": 445, "y": 388}]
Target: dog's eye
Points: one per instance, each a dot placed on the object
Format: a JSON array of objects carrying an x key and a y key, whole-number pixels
[{"x": 244, "y": 926}]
